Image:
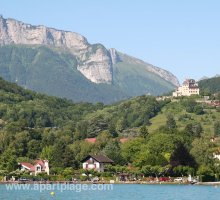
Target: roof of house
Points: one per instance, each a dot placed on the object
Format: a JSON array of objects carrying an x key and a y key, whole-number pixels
[
  {"x": 98, "y": 158},
  {"x": 28, "y": 165},
  {"x": 123, "y": 140},
  {"x": 32, "y": 167},
  {"x": 93, "y": 140},
  {"x": 90, "y": 140},
  {"x": 41, "y": 163}
]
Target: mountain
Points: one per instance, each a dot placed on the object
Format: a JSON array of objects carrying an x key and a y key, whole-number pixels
[
  {"x": 64, "y": 64},
  {"x": 210, "y": 86}
]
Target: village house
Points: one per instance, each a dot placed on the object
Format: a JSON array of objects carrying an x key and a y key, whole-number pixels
[
  {"x": 216, "y": 154},
  {"x": 189, "y": 87},
  {"x": 96, "y": 162},
  {"x": 214, "y": 103},
  {"x": 39, "y": 166}
]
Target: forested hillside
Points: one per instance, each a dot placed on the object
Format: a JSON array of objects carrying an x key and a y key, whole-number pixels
[
  {"x": 167, "y": 137},
  {"x": 32, "y": 122},
  {"x": 210, "y": 86}
]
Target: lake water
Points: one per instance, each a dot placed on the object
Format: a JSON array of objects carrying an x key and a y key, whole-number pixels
[{"x": 116, "y": 192}]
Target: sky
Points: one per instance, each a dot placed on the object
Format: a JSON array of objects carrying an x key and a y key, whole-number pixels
[{"x": 182, "y": 37}]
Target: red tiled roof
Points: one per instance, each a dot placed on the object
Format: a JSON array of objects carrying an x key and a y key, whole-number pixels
[
  {"x": 32, "y": 167},
  {"x": 90, "y": 140},
  {"x": 27, "y": 165},
  {"x": 93, "y": 140},
  {"x": 41, "y": 163},
  {"x": 123, "y": 140}
]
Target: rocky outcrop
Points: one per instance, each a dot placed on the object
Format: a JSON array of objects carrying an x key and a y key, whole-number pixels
[
  {"x": 115, "y": 58},
  {"x": 16, "y": 32},
  {"x": 96, "y": 64}
]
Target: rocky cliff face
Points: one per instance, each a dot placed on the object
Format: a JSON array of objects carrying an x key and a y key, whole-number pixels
[{"x": 95, "y": 62}]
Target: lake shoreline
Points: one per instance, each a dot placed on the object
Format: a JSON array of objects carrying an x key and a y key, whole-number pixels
[{"x": 108, "y": 182}]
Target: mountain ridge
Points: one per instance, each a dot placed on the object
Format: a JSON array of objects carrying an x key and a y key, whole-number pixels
[
  {"x": 58, "y": 38},
  {"x": 95, "y": 62}
]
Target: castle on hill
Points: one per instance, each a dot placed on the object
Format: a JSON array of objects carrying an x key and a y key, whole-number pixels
[{"x": 189, "y": 87}]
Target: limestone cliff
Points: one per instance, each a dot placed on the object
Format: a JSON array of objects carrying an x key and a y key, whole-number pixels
[{"x": 95, "y": 62}]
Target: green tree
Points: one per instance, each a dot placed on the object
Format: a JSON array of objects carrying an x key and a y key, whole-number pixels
[
  {"x": 120, "y": 125},
  {"x": 47, "y": 153},
  {"x": 181, "y": 156},
  {"x": 102, "y": 139},
  {"x": 113, "y": 151},
  {"x": 217, "y": 128},
  {"x": 33, "y": 148},
  {"x": 205, "y": 170},
  {"x": 201, "y": 151},
  {"x": 170, "y": 123},
  {"x": 193, "y": 130},
  {"x": 8, "y": 160},
  {"x": 144, "y": 132},
  {"x": 131, "y": 149}
]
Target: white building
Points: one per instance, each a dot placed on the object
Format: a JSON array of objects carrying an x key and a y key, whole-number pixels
[
  {"x": 96, "y": 162},
  {"x": 189, "y": 87},
  {"x": 37, "y": 167}
]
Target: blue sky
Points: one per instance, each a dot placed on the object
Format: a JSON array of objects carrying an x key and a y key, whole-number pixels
[{"x": 180, "y": 36}]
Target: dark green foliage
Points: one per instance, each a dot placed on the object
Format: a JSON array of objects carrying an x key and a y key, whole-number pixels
[
  {"x": 127, "y": 114},
  {"x": 112, "y": 150},
  {"x": 201, "y": 151},
  {"x": 171, "y": 123},
  {"x": 193, "y": 107},
  {"x": 37, "y": 125},
  {"x": 183, "y": 170},
  {"x": 193, "y": 129},
  {"x": 217, "y": 128},
  {"x": 181, "y": 156},
  {"x": 144, "y": 132},
  {"x": 209, "y": 86},
  {"x": 8, "y": 160},
  {"x": 207, "y": 178},
  {"x": 34, "y": 126}
]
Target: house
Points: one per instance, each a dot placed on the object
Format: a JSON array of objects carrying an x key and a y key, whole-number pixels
[
  {"x": 39, "y": 166},
  {"x": 96, "y": 162},
  {"x": 189, "y": 87},
  {"x": 90, "y": 140},
  {"x": 216, "y": 154}
]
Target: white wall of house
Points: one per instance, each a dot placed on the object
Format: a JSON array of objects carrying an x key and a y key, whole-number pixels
[
  {"x": 186, "y": 90},
  {"x": 95, "y": 166},
  {"x": 38, "y": 169},
  {"x": 47, "y": 169},
  {"x": 23, "y": 168},
  {"x": 217, "y": 156}
]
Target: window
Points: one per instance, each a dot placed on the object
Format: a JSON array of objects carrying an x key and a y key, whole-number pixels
[{"x": 38, "y": 168}]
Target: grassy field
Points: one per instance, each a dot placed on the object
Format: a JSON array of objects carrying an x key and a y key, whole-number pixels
[{"x": 182, "y": 118}]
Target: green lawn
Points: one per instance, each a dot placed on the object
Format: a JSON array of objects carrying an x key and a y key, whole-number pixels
[{"x": 207, "y": 120}]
